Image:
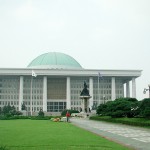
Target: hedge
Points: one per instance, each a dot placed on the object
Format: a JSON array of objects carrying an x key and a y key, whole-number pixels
[{"x": 142, "y": 122}]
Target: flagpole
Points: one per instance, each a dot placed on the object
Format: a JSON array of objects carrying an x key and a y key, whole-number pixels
[
  {"x": 31, "y": 96},
  {"x": 32, "y": 75},
  {"x": 99, "y": 78},
  {"x": 98, "y": 91}
]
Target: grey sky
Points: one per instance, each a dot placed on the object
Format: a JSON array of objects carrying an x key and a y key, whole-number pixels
[{"x": 99, "y": 34}]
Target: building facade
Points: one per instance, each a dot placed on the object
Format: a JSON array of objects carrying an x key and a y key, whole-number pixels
[{"x": 53, "y": 82}]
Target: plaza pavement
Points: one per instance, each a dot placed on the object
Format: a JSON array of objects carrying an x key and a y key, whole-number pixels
[{"x": 134, "y": 137}]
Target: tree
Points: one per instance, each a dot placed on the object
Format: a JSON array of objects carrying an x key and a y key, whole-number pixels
[
  {"x": 41, "y": 113},
  {"x": 102, "y": 109},
  {"x": 144, "y": 108},
  {"x": 10, "y": 111},
  {"x": 23, "y": 107},
  {"x": 119, "y": 108},
  {"x": 146, "y": 112},
  {"x": 6, "y": 110}
]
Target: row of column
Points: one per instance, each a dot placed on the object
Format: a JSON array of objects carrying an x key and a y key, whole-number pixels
[
  {"x": 44, "y": 93},
  {"x": 68, "y": 99},
  {"x": 127, "y": 88},
  {"x": 113, "y": 90}
]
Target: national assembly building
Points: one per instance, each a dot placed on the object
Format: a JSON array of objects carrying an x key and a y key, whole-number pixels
[{"x": 53, "y": 82}]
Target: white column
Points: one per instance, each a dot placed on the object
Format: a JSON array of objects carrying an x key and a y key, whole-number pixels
[
  {"x": 68, "y": 94},
  {"x": 133, "y": 88},
  {"x": 45, "y": 93},
  {"x": 91, "y": 92},
  {"x": 113, "y": 89},
  {"x": 21, "y": 93},
  {"x": 128, "y": 89}
]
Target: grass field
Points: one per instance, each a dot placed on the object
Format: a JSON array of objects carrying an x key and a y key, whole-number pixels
[{"x": 47, "y": 135}]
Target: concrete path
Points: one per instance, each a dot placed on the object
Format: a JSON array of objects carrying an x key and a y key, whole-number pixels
[{"x": 134, "y": 137}]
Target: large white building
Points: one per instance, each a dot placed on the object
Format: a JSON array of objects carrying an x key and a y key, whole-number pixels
[{"x": 59, "y": 82}]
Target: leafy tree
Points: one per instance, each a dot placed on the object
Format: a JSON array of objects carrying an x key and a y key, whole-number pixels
[
  {"x": 119, "y": 108},
  {"x": 134, "y": 107},
  {"x": 144, "y": 108},
  {"x": 6, "y": 110},
  {"x": 41, "y": 113},
  {"x": 146, "y": 112},
  {"x": 130, "y": 99},
  {"x": 10, "y": 111},
  {"x": 23, "y": 106},
  {"x": 102, "y": 109}
]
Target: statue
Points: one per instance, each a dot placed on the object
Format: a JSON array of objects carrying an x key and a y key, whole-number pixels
[{"x": 85, "y": 91}]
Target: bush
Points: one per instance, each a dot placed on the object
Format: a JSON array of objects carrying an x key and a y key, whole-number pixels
[
  {"x": 41, "y": 113},
  {"x": 129, "y": 121},
  {"x": 117, "y": 114},
  {"x": 144, "y": 108},
  {"x": 119, "y": 108},
  {"x": 9, "y": 111},
  {"x": 146, "y": 112},
  {"x": 102, "y": 109},
  {"x": 13, "y": 117}
]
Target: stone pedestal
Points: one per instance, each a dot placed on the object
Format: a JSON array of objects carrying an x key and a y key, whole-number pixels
[{"x": 85, "y": 103}]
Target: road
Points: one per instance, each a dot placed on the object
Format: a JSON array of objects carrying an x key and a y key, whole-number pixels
[{"x": 134, "y": 137}]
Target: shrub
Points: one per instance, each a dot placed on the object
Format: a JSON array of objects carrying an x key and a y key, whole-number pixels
[
  {"x": 13, "y": 117},
  {"x": 129, "y": 121},
  {"x": 146, "y": 112},
  {"x": 102, "y": 109},
  {"x": 119, "y": 108},
  {"x": 117, "y": 114},
  {"x": 23, "y": 106},
  {"x": 9, "y": 111},
  {"x": 144, "y": 108},
  {"x": 41, "y": 113}
]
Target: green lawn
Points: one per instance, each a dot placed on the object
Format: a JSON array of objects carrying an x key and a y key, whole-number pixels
[{"x": 47, "y": 135}]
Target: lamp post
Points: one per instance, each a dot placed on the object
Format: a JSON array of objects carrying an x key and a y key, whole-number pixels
[
  {"x": 147, "y": 90},
  {"x": 31, "y": 96}
]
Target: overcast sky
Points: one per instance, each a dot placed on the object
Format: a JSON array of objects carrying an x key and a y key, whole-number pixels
[{"x": 99, "y": 34}]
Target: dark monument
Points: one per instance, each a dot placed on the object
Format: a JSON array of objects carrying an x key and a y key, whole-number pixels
[
  {"x": 85, "y": 96},
  {"x": 85, "y": 91}
]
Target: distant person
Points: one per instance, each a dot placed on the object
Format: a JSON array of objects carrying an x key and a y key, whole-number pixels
[
  {"x": 86, "y": 110},
  {"x": 68, "y": 116},
  {"x": 89, "y": 110}
]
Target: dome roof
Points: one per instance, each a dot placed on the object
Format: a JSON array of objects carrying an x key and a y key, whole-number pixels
[{"x": 55, "y": 60}]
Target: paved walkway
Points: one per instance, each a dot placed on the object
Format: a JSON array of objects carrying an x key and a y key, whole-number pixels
[{"x": 135, "y": 137}]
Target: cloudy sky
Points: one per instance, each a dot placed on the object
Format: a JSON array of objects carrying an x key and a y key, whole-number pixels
[{"x": 99, "y": 34}]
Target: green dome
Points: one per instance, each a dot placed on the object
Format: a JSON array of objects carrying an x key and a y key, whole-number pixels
[{"x": 55, "y": 60}]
